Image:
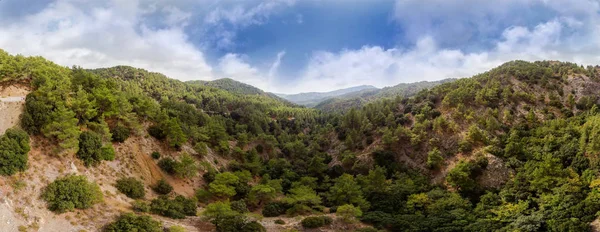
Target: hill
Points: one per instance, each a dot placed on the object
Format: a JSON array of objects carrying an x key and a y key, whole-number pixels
[
  {"x": 311, "y": 99},
  {"x": 231, "y": 86},
  {"x": 511, "y": 149},
  {"x": 357, "y": 99}
]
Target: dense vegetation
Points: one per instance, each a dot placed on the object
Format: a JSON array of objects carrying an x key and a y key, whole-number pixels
[
  {"x": 358, "y": 99},
  {"x": 512, "y": 149}
]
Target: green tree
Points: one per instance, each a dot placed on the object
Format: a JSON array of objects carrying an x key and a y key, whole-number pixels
[
  {"x": 84, "y": 106},
  {"x": 175, "y": 135},
  {"x": 71, "y": 192},
  {"x": 91, "y": 151},
  {"x": 14, "y": 147},
  {"x": 63, "y": 127},
  {"x": 217, "y": 210},
  {"x": 303, "y": 195},
  {"x": 224, "y": 185},
  {"x": 346, "y": 191},
  {"x": 348, "y": 213},
  {"x": 186, "y": 167},
  {"x": 434, "y": 159},
  {"x": 262, "y": 193}
]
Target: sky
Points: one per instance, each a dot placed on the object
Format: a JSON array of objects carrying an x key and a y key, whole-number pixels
[{"x": 291, "y": 46}]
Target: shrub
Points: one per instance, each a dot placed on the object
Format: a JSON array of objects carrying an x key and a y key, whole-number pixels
[
  {"x": 108, "y": 153},
  {"x": 162, "y": 187},
  {"x": 131, "y": 187},
  {"x": 186, "y": 167},
  {"x": 132, "y": 222},
  {"x": 167, "y": 165},
  {"x": 239, "y": 206},
  {"x": 348, "y": 213},
  {"x": 140, "y": 206},
  {"x": 71, "y": 192},
  {"x": 155, "y": 155},
  {"x": 203, "y": 195},
  {"x": 176, "y": 208},
  {"x": 14, "y": 146},
  {"x": 157, "y": 132},
  {"x": 279, "y": 222},
  {"x": 176, "y": 229},
  {"x": 366, "y": 229},
  {"x": 273, "y": 209},
  {"x": 201, "y": 148},
  {"x": 298, "y": 209},
  {"x": 434, "y": 159},
  {"x": 209, "y": 176},
  {"x": 316, "y": 222},
  {"x": 91, "y": 151},
  {"x": 120, "y": 133}
]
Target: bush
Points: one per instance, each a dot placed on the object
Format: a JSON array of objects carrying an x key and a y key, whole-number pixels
[
  {"x": 14, "y": 146},
  {"x": 140, "y": 206},
  {"x": 316, "y": 222},
  {"x": 273, "y": 209},
  {"x": 279, "y": 222},
  {"x": 176, "y": 208},
  {"x": 348, "y": 213},
  {"x": 209, "y": 176},
  {"x": 167, "y": 165},
  {"x": 184, "y": 168},
  {"x": 176, "y": 229},
  {"x": 201, "y": 149},
  {"x": 71, "y": 192},
  {"x": 91, "y": 151},
  {"x": 131, "y": 187},
  {"x": 157, "y": 132},
  {"x": 132, "y": 222},
  {"x": 203, "y": 195},
  {"x": 239, "y": 206},
  {"x": 155, "y": 155},
  {"x": 366, "y": 229},
  {"x": 162, "y": 187},
  {"x": 120, "y": 133}
]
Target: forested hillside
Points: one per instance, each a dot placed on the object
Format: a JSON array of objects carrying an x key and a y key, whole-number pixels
[
  {"x": 312, "y": 99},
  {"x": 511, "y": 149},
  {"x": 358, "y": 99}
]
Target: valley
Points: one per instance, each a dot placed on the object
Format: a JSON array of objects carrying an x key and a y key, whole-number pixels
[{"x": 111, "y": 149}]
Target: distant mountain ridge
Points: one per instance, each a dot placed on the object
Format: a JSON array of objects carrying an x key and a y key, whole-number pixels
[
  {"x": 313, "y": 98},
  {"x": 357, "y": 99}
]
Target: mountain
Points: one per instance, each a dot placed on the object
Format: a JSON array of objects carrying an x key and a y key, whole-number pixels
[
  {"x": 313, "y": 98},
  {"x": 230, "y": 85},
  {"x": 515, "y": 148},
  {"x": 357, "y": 99}
]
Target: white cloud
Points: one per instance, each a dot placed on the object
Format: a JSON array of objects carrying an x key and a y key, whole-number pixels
[
  {"x": 375, "y": 65},
  {"x": 223, "y": 22},
  {"x": 275, "y": 66},
  {"x": 75, "y": 33},
  {"x": 233, "y": 66}
]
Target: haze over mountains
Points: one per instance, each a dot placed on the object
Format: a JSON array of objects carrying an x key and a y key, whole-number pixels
[
  {"x": 311, "y": 99},
  {"x": 337, "y": 100}
]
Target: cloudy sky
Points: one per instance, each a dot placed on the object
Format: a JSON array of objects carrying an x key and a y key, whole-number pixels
[{"x": 294, "y": 46}]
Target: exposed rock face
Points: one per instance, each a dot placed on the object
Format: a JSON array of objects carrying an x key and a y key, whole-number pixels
[{"x": 12, "y": 101}]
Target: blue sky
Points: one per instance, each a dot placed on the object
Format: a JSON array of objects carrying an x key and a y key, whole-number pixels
[{"x": 294, "y": 46}]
